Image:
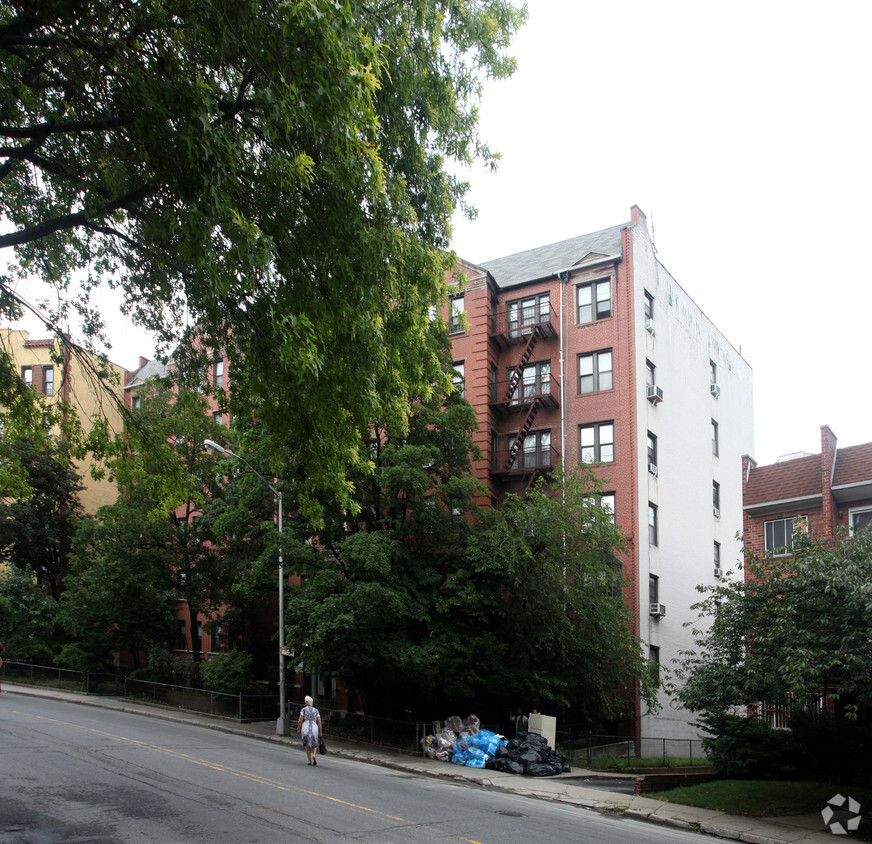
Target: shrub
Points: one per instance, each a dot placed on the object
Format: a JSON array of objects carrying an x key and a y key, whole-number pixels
[
  {"x": 230, "y": 672},
  {"x": 748, "y": 748}
]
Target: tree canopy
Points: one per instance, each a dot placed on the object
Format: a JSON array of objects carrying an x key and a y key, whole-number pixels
[
  {"x": 273, "y": 174},
  {"x": 795, "y": 629}
]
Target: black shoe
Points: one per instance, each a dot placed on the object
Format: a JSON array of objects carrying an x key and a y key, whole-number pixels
[{"x": 314, "y": 761}]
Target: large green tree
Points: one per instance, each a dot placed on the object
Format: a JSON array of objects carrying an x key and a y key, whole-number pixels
[
  {"x": 428, "y": 602},
  {"x": 37, "y": 526},
  {"x": 273, "y": 172},
  {"x": 793, "y": 629}
]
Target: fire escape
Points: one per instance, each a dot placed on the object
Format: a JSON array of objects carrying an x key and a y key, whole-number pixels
[{"x": 526, "y": 396}]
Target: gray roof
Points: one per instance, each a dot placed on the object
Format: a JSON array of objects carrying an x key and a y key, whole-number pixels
[
  {"x": 151, "y": 369},
  {"x": 545, "y": 261}
]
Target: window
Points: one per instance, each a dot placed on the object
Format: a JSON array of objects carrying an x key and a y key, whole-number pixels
[
  {"x": 48, "y": 380},
  {"x": 218, "y": 374},
  {"x": 778, "y": 534},
  {"x": 716, "y": 498},
  {"x": 181, "y": 635},
  {"x": 650, "y": 374},
  {"x": 713, "y": 372},
  {"x": 652, "y": 523},
  {"x": 216, "y": 417},
  {"x": 593, "y": 301},
  {"x": 649, "y": 306},
  {"x": 459, "y": 377},
  {"x": 859, "y": 520},
  {"x": 607, "y": 502},
  {"x": 535, "y": 450},
  {"x": 216, "y": 638},
  {"x": 596, "y": 443},
  {"x": 535, "y": 380},
  {"x": 456, "y": 310},
  {"x": 652, "y": 450},
  {"x": 715, "y": 444},
  {"x": 653, "y": 589},
  {"x": 523, "y": 314},
  {"x": 595, "y": 372},
  {"x": 135, "y": 401},
  {"x": 27, "y": 375},
  {"x": 654, "y": 659},
  {"x": 199, "y": 636},
  {"x": 717, "y": 555}
]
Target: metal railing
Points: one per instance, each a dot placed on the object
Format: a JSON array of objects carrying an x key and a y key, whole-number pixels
[
  {"x": 240, "y": 707},
  {"x": 595, "y": 751}
]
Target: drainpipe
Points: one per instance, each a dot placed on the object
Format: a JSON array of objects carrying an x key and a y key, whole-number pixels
[{"x": 563, "y": 275}]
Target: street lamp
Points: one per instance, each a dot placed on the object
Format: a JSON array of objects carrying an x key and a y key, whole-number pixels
[{"x": 282, "y": 725}]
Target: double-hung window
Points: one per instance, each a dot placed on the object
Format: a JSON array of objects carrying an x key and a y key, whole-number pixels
[
  {"x": 595, "y": 372},
  {"x": 778, "y": 534},
  {"x": 523, "y": 314},
  {"x": 218, "y": 374},
  {"x": 459, "y": 378},
  {"x": 456, "y": 310},
  {"x": 596, "y": 443},
  {"x": 27, "y": 375},
  {"x": 860, "y": 519},
  {"x": 593, "y": 301},
  {"x": 48, "y": 380},
  {"x": 652, "y": 523},
  {"x": 535, "y": 450}
]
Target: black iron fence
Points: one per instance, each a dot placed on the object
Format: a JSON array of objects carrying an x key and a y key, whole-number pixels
[{"x": 603, "y": 751}]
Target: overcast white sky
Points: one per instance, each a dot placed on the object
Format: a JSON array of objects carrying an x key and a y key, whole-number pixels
[{"x": 743, "y": 130}]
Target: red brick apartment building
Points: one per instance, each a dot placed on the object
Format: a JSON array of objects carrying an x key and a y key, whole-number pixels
[
  {"x": 589, "y": 350},
  {"x": 830, "y": 491}
]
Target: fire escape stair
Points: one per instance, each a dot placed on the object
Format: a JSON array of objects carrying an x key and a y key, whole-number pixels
[
  {"x": 518, "y": 374},
  {"x": 525, "y": 429}
]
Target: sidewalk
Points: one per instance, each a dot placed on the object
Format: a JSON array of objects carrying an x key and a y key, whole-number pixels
[{"x": 564, "y": 788}]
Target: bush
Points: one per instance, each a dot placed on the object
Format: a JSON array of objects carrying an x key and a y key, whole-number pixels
[
  {"x": 834, "y": 749},
  {"x": 230, "y": 672},
  {"x": 747, "y": 748}
]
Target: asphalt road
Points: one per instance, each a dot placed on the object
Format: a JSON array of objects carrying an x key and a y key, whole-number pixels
[{"x": 89, "y": 776}]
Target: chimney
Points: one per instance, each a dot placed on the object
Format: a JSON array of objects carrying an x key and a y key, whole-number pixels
[{"x": 828, "y": 467}]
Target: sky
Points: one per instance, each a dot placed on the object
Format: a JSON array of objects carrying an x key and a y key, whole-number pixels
[{"x": 742, "y": 131}]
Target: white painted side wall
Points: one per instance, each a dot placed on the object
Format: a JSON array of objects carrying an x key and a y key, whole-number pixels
[{"x": 683, "y": 343}]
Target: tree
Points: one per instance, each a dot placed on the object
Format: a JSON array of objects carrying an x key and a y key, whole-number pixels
[
  {"x": 274, "y": 172},
  {"x": 161, "y": 467},
  {"x": 37, "y": 528},
  {"x": 794, "y": 629},
  {"x": 428, "y": 602},
  {"x": 27, "y": 617},
  {"x": 120, "y": 591}
]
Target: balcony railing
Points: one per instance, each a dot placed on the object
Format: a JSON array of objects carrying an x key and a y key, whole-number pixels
[
  {"x": 544, "y": 387},
  {"x": 526, "y": 461},
  {"x": 515, "y": 326}
]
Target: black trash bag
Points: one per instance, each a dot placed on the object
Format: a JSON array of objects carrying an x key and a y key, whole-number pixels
[
  {"x": 504, "y": 765},
  {"x": 539, "y": 769}
]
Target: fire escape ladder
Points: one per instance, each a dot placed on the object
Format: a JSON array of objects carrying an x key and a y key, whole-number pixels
[
  {"x": 519, "y": 369},
  {"x": 525, "y": 429}
]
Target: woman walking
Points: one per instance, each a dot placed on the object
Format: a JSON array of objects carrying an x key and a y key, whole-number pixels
[{"x": 309, "y": 728}]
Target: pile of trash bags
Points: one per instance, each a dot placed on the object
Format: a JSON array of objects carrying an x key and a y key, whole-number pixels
[
  {"x": 465, "y": 743},
  {"x": 529, "y": 754}
]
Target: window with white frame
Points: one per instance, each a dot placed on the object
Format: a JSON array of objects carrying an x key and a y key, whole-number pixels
[
  {"x": 535, "y": 450},
  {"x": 596, "y": 443},
  {"x": 595, "y": 372},
  {"x": 523, "y": 314},
  {"x": 459, "y": 377},
  {"x": 216, "y": 417},
  {"x": 48, "y": 380},
  {"x": 609, "y": 505},
  {"x": 715, "y": 441},
  {"x": 716, "y": 498},
  {"x": 778, "y": 534},
  {"x": 652, "y": 450},
  {"x": 652, "y": 523},
  {"x": 456, "y": 311},
  {"x": 717, "y": 555},
  {"x": 653, "y": 589},
  {"x": 535, "y": 381},
  {"x": 27, "y": 375},
  {"x": 218, "y": 374},
  {"x": 859, "y": 519},
  {"x": 713, "y": 372},
  {"x": 593, "y": 301},
  {"x": 649, "y": 305}
]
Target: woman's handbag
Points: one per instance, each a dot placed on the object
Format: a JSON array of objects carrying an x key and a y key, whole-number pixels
[{"x": 322, "y": 748}]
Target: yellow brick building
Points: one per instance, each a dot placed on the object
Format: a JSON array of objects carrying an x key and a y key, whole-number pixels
[{"x": 56, "y": 374}]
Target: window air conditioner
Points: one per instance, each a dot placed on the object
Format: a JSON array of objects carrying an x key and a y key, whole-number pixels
[
  {"x": 657, "y": 610},
  {"x": 716, "y": 512},
  {"x": 716, "y": 390},
  {"x": 652, "y": 469},
  {"x": 655, "y": 393},
  {"x": 649, "y": 325},
  {"x": 717, "y": 572}
]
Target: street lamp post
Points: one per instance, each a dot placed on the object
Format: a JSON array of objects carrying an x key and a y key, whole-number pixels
[{"x": 282, "y": 725}]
